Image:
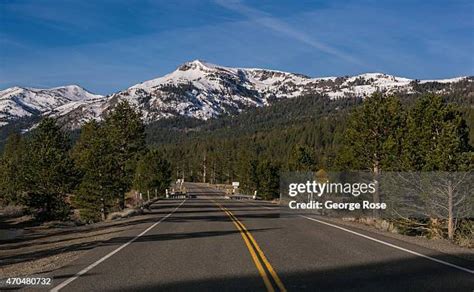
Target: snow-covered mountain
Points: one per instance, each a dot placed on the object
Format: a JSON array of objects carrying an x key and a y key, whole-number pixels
[
  {"x": 23, "y": 102},
  {"x": 195, "y": 89}
]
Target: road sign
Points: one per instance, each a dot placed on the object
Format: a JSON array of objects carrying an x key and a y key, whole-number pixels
[{"x": 235, "y": 184}]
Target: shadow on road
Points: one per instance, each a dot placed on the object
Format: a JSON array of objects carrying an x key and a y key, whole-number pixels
[
  {"x": 410, "y": 274},
  {"x": 197, "y": 211},
  {"x": 25, "y": 257},
  {"x": 46, "y": 233}
]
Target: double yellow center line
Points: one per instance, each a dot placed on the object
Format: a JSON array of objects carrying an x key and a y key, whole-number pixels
[{"x": 261, "y": 262}]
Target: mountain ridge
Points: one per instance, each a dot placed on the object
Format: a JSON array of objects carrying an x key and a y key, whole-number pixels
[{"x": 196, "y": 89}]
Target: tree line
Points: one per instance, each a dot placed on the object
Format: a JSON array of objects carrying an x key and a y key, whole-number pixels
[
  {"x": 51, "y": 176},
  {"x": 313, "y": 132}
]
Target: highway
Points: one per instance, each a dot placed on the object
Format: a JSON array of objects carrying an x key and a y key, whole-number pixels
[{"x": 213, "y": 244}]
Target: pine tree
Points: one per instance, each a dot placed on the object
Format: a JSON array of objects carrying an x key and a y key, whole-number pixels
[
  {"x": 10, "y": 170},
  {"x": 95, "y": 160},
  {"x": 437, "y": 137},
  {"x": 373, "y": 137},
  {"x": 247, "y": 171},
  {"x": 269, "y": 180},
  {"x": 438, "y": 140},
  {"x": 49, "y": 172},
  {"x": 153, "y": 172},
  {"x": 125, "y": 132}
]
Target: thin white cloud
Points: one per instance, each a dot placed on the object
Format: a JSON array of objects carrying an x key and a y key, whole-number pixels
[{"x": 279, "y": 26}]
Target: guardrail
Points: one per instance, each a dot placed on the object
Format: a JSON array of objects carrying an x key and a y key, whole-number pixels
[
  {"x": 177, "y": 196},
  {"x": 242, "y": 197}
]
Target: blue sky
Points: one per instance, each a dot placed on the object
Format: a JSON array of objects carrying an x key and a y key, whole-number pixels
[{"x": 108, "y": 45}]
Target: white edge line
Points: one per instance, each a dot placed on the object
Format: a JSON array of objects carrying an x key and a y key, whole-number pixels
[
  {"x": 382, "y": 242},
  {"x": 392, "y": 245},
  {"x": 91, "y": 266}
]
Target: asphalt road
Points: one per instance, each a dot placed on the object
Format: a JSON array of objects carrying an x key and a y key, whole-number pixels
[{"x": 213, "y": 244}]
